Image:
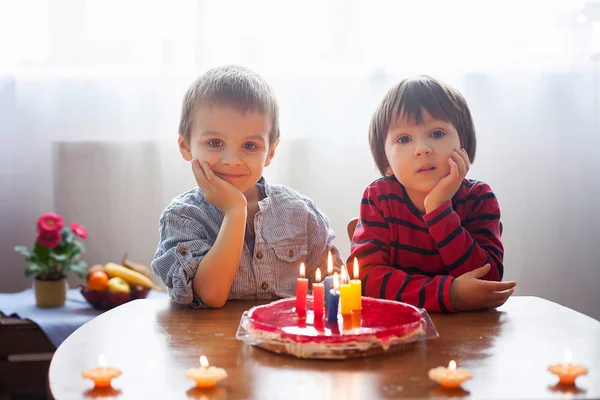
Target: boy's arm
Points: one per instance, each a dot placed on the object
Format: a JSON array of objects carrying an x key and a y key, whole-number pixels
[
  {"x": 182, "y": 244},
  {"x": 371, "y": 245},
  {"x": 196, "y": 269},
  {"x": 218, "y": 267},
  {"x": 320, "y": 238},
  {"x": 466, "y": 248}
]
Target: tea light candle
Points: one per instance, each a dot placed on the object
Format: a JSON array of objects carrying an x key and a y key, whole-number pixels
[
  {"x": 356, "y": 289},
  {"x": 318, "y": 295},
  {"x": 450, "y": 377},
  {"x": 205, "y": 376},
  {"x": 101, "y": 375},
  {"x": 328, "y": 282},
  {"x": 301, "y": 291},
  {"x": 334, "y": 299},
  {"x": 567, "y": 372}
]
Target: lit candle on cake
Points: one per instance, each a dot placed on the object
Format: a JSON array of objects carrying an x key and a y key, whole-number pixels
[
  {"x": 301, "y": 291},
  {"x": 356, "y": 289},
  {"x": 567, "y": 372},
  {"x": 328, "y": 282},
  {"x": 345, "y": 293},
  {"x": 205, "y": 376},
  {"x": 451, "y": 377},
  {"x": 101, "y": 375},
  {"x": 334, "y": 299},
  {"x": 318, "y": 295}
]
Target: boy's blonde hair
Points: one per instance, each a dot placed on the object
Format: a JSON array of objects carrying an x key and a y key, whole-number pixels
[
  {"x": 234, "y": 86},
  {"x": 407, "y": 99}
]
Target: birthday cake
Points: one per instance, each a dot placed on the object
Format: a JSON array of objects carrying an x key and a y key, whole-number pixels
[{"x": 381, "y": 326}]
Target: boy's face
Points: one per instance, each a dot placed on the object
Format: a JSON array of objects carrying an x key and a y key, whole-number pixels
[
  {"x": 235, "y": 145},
  {"x": 418, "y": 154}
]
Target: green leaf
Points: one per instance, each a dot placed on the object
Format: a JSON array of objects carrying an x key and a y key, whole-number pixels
[
  {"x": 24, "y": 251},
  {"x": 80, "y": 268},
  {"x": 67, "y": 235},
  {"x": 32, "y": 269},
  {"x": 58, "y": 258}
]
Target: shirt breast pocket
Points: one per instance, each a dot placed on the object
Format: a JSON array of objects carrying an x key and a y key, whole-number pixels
[{"x": 288, "y": 258}]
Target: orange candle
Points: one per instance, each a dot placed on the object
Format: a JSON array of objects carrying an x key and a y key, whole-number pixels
[
  {"x": 450, "y": 377},
  {"x": 356, "y": 318},
  {"x": 101, "y": 375},
  {"x": 301, "y": 291},
  {"x": 356, "y": 289},
  {"x": 205, "y": 376},
  {"x": 318, "y": 295},
  {"x": 567, "y": 372}
]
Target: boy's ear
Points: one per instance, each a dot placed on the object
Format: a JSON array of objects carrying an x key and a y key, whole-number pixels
[
  {"x": 271, "y": 153},
  {"x": 184, "y": 149}
]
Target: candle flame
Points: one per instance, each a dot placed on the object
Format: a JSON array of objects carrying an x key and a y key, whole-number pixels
[
  {"x": 344, "y": 277},
  {"x": 318, "y": 275},
  {"x": 452, "y": 365},
  {"x": 102, "y": 361},
  {"x": 329, "y": 263},
  {"x": 336, "y": 281},
  {"x": 568, "y": 356},
  {"x": 355, "y": 268},
  {"x": 204, "y": 361},
  {"x": 302, "y": 270}
]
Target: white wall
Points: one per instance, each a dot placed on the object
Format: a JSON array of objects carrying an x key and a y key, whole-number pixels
[{"x": 538, "y": 146}]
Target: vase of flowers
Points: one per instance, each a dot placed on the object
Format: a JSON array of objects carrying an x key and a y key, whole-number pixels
[{"x": 55, "y": 252}]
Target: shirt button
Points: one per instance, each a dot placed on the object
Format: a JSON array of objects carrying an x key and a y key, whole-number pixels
[
  {"x": 264, "y": 286},
  {"x": 183, "y": 251},
  {"x": 259, "y": 255},
  {"x": 291, "y": 253}
]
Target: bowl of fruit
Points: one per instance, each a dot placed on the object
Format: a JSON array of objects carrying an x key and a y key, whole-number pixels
[{"x": 111, "y": 285}]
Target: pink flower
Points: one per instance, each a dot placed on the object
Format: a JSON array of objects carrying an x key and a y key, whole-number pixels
[
  {"x": 49, "y": 239},
  {"x": 50, "y": 223},
  {"x": 79, "y": 230}
]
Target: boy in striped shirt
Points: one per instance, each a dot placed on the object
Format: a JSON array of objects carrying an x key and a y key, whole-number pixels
[
  {"x": 427, "y": 235},
  {"x": 235, "y": 236}
]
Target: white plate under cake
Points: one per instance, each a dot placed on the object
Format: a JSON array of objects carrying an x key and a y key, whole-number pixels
[{"x": 383, "y": 325}]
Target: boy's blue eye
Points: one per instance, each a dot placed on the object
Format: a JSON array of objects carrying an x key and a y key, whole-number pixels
[
  {"x": 403, "y": 139},
  {"x": 438, "y": 134},
  {"x": 250, "y": 146},
  {"x": 215, "y": 143}
]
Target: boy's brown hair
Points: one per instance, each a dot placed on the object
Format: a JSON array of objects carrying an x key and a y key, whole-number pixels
[
  {"x": 234, "y": 86},
  {"x": 407, "y": 99}
]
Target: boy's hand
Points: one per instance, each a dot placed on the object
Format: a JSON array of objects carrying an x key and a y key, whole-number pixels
[
  {"x": 217, "y": 191},
  {"x": 468, "y": 292},
  {"x": 448, "y": 185}
]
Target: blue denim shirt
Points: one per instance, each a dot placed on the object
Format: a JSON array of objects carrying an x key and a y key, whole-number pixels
[{"x": 289, "y": 229}]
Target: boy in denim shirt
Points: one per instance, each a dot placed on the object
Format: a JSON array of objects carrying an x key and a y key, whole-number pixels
[{"x": 236, "y": 236}]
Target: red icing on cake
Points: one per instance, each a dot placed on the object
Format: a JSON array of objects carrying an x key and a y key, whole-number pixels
[{"x": 382, "y": 320}]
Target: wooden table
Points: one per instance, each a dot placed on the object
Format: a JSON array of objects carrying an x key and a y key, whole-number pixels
[
  {"x": 154, "y": 342},
  {"x": 25, "y": 353}
]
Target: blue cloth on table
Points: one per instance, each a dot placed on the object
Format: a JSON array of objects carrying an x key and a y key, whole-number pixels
[{"x": 57, "y": 323}]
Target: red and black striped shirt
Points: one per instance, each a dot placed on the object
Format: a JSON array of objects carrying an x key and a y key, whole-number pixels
[{"x": 410, "y": 257}]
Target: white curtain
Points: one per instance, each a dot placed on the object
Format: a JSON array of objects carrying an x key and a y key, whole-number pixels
[{"x": 90, "y": 94}]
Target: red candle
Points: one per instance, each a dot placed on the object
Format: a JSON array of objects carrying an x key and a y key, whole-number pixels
[
  {"x": 301, "y": 291},
  {"x": 318, "y": 295}
]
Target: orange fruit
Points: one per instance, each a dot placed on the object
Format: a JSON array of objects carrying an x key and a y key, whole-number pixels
[{"x": 97, "y": 281}]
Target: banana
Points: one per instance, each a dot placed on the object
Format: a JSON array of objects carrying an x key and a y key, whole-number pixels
[
  {"x": 132, "y": 277},
  {"x": 142, "y": 269}
]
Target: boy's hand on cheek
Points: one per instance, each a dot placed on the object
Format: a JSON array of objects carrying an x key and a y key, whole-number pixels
[
  {"x": 468, "y": 292},
  {"x": 449, "y": 185},
  {"x": 217, "y": 191}
]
